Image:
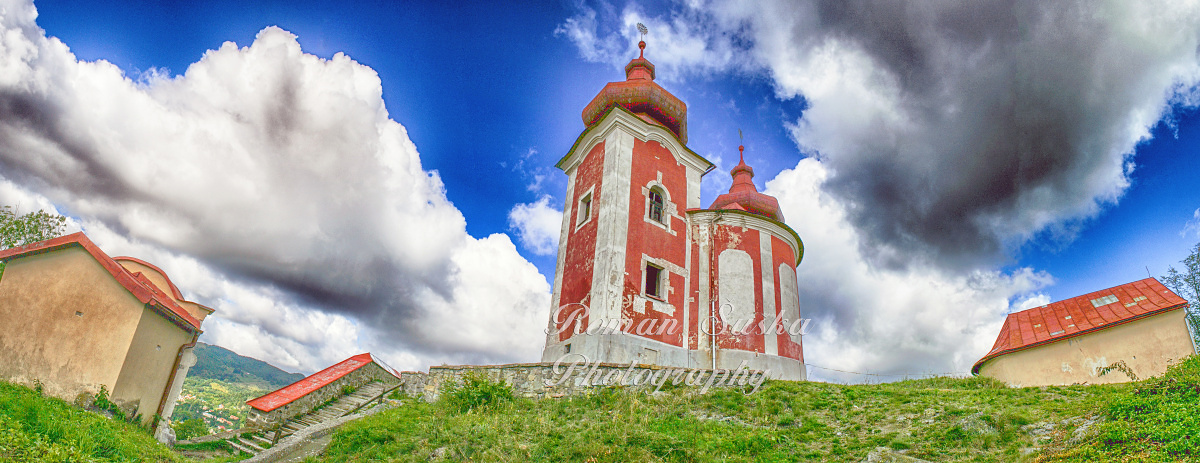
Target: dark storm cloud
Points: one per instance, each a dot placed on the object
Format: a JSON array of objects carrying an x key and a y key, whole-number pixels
[
  {"x": 1016, "y": 116},
  {"x": 953, "y": 131},
  {"x": 31, "y": 121}
]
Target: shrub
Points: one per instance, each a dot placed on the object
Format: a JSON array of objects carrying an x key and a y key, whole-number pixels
[
  {"x": 476, "y": 391},
  {"x": 190, "y": 428},
  {"x": 101, "y": 402},
  {"x": 1159, "y": 415}
]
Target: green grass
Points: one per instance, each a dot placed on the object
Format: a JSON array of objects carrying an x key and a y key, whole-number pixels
[
  {"x": 941, "y": 419},
  {"x": 36, "y": 428},
  {"x": 1157, "y": 420}
]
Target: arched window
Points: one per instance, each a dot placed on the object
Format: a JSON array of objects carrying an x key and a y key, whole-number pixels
[{"x": 656, "y": 205}]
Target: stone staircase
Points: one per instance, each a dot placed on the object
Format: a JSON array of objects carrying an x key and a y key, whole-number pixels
[{"x": 254, "y": 443}]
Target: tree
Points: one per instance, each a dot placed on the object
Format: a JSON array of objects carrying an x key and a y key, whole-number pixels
[
  {"x": 1187, "y": 285},
  {"x": 19, "y": 230},
  {"x": 190, "y": 428}
]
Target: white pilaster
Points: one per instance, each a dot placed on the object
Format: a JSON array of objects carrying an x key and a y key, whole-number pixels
[
  {"x": 771, "y": 343},
  {"x": 612, "y": 226}
]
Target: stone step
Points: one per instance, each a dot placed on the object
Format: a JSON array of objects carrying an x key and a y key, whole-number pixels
[
  {"x": 263, "y": 441},
  {"x": 250, "y": 443},
  {"x": 240, "y": 447}
]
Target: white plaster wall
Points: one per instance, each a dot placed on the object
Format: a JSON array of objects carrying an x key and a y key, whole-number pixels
[
  {"x": 790, "y": 301},
  {"x": 735, "y": 286}
]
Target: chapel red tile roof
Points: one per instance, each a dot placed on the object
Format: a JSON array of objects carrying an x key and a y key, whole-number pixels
[
  {"x": 317, "y": 380},
  {"x": 1081, "y": 315},
  {"x": 136, "y": 283}
]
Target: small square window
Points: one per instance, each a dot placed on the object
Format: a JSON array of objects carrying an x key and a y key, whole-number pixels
[
  {"x": 585, "y": 209},
  {"x": 568, "y": 347},
  {"x": 654, "y": 281}
]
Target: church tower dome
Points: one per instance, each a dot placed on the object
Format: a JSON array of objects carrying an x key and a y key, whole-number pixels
[
  {"x": 743, "y": 196},
  {"x": 642, "y": 96}
]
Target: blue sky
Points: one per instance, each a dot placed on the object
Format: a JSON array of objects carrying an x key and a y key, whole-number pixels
[
  {"x": 477, "y": 88},
  {"x": 490, "y": 96}
]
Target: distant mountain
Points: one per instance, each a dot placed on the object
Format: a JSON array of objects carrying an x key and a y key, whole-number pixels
[{"x": 219, "y": 363}]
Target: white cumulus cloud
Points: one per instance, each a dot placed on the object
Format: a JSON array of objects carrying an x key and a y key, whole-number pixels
[
  {"x": 272, "y": 185},
  {"x": 538, "y": 225}
]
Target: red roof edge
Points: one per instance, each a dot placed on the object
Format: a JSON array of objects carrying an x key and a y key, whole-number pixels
[
  {"x": 298, "y": 389},
  {"x": 174, "y": 290},
  {"x": 145, "y": 292}
]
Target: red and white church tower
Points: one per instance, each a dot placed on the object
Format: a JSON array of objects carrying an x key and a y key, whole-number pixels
[{"x": 657, "y": 278}]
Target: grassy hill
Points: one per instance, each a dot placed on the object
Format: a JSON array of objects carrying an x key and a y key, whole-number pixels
[
  {"x": 37, "y": 428},
  {"x": 941, "y": 419},
  {"x": 215, "y": 362}
]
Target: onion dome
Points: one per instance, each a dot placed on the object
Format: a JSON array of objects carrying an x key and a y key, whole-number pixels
[
  {"x": 743, "y": 196},
  {"x": 640, "y": 95}
]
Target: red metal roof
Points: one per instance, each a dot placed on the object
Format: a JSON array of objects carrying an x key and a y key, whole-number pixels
[
  {"x": 1080, "y": 315},
  {"x": 315, "y": 381},
  {"x": 744, "y": 196},
  {"x": 137, "y": 284},
  {"x": 640, "y": 95}
]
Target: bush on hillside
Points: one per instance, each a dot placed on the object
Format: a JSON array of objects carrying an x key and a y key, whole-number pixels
[
  {"x": 1161, "y": 415},
  {"x": 190, "y": 428},
  {"x": 476, "y": 391}
]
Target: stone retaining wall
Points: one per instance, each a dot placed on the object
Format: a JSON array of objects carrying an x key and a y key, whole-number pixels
[{"x": 541, "y": 380}]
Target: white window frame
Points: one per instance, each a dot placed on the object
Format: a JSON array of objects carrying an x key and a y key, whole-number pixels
[
  {"x": 668, "y": 207},
  {"x": 659, "y": 287},
  {"x": 586, "y": 201}
]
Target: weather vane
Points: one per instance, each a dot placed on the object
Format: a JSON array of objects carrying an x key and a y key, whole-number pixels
[
  {"x": 642, "y": 45},
  {"x": 741, "y": 147}
]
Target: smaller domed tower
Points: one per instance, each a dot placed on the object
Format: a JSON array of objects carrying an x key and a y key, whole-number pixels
[
  {"x": 644, "y": 273},
  {"x": 748, "y": 259}
]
